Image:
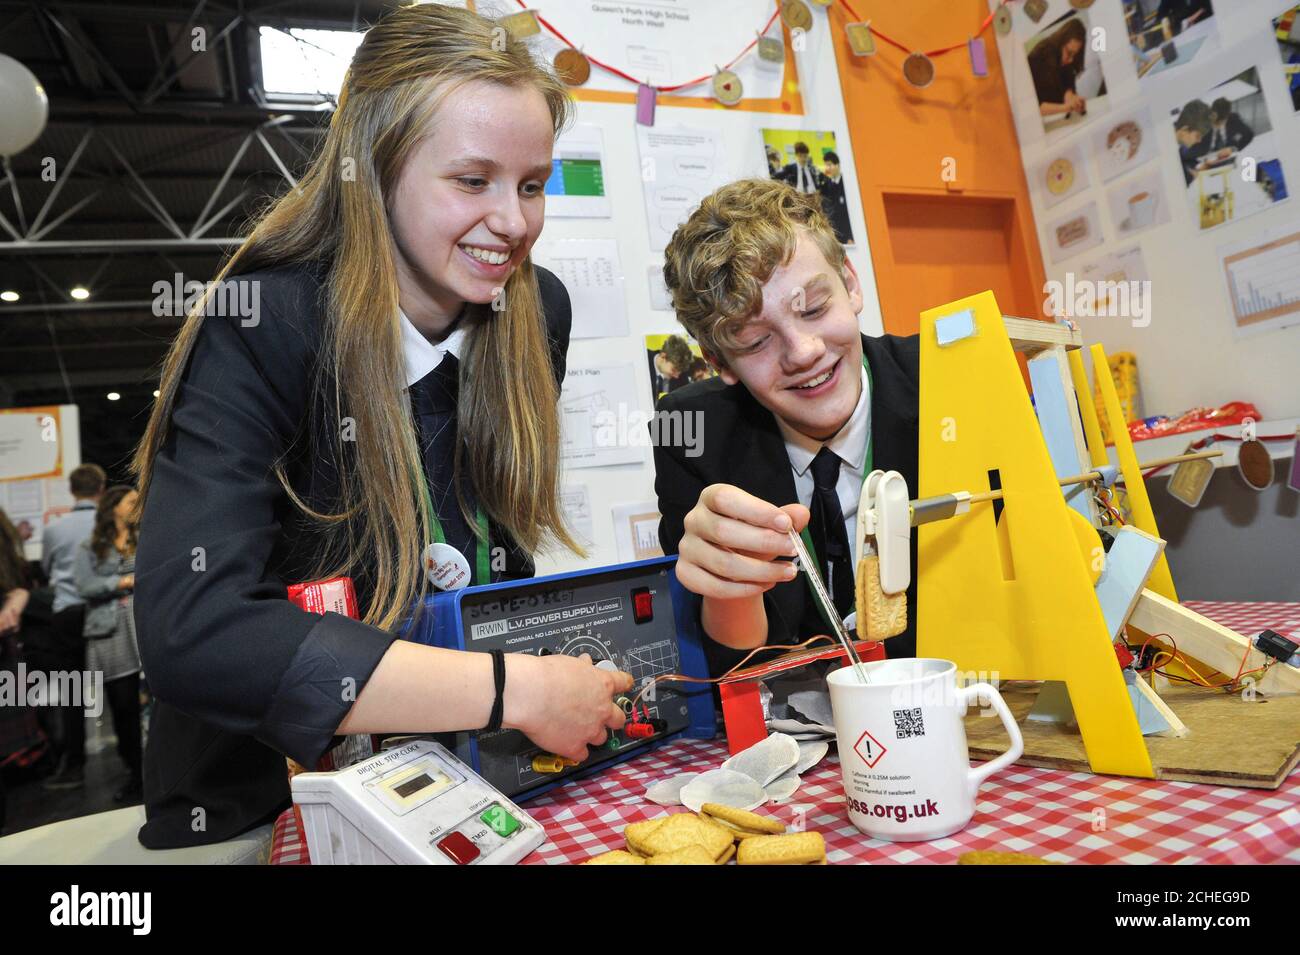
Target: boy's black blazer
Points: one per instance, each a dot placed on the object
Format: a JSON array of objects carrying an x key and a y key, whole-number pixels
[
  {"x": 743, "y": 446},
  {"x": 241, "y": 677}
]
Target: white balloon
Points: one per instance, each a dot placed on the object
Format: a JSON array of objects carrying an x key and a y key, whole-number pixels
[{"x": 24, "y": 106}]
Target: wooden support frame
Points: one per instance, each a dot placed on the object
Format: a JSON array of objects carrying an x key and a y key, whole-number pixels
[{"x": 1209, "y": 643}]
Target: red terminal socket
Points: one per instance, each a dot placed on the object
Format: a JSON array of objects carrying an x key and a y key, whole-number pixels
[{"x": 645, "y": 730}]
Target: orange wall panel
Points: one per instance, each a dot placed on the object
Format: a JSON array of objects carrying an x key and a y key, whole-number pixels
[{"x": 934, "y": 241}]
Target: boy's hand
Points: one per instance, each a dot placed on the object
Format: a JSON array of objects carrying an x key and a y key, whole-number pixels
[{"x": 732, "y": 541}]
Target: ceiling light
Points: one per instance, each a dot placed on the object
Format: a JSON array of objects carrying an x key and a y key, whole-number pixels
[
  {"x": 80, "y": 293},
  {"x": 113, "y": 396},
  {"x": 9, "y": 296}
]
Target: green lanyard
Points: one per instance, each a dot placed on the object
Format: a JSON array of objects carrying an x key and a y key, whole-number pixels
[
  {"x": 482, "y": 562},
  {"x": 866, "y": 471}
]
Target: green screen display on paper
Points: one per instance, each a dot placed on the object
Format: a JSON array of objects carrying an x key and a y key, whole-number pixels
[{"x": 576, "y": 176}]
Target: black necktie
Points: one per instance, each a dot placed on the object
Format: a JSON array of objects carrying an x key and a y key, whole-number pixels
[{"x": 826, "y": 527}]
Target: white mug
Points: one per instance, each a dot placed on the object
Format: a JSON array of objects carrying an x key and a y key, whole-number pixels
[{"x": 902, "y": 743}]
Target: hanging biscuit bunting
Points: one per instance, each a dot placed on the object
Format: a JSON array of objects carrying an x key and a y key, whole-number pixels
[
  {"x": 727, "y": 88},
  {"x": 979, "y": 60},
  {"x": 861, "y": 40},
  {"x": 822, "y": 3},
  {"x": 771, "y": 50},
  {"x": 521, "y": 25},
  {"x": 1081, "y": 4},
  {"x": 1034, "y": 9},
  {"x": 796, "y": 14},
  {"x": 918, "y": 69},
  {"x": 572, "y": 67},
  {"x": 1002, "y": 21}
]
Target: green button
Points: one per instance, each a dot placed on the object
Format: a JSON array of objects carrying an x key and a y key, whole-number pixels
[
  {"x": 613, "y": 742},
  {"x": 499, "y": 821}
]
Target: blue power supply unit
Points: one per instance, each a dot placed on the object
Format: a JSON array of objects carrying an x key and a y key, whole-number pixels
[{"x": 635, "y": 615}]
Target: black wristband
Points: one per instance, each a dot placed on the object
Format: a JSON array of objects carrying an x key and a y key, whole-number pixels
[{"x": 499, "y": 681}]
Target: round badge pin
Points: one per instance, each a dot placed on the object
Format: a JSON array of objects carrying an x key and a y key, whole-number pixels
[
  {"x": 573, "y": 68},
  {"x": 727, "y": 88},
  {"x": 918, "y": 69},
  {"x": 1002, "y": 20},
  {"x": 446, "y": 567}
]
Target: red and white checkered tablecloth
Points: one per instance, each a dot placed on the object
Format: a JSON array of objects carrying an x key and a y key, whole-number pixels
[{"x": 1061, "y": 816}]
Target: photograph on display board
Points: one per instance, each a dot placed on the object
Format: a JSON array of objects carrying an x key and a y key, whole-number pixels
[
  {"x": 1062, "y": 174},
  {"x": 1067, "y": 74},
  {"x": 1122, "y": 145},
  {"x": 1228, "y": 151},
  {"x": 1074, "y": 232},
  {"x": 1263, "y": 277},
  {"x": 1138, "y": 203},
  {"x": 1287, "y": 29},
  {"x": 675, "y": 361},
  {"x": 1164, "y": 34},
  {"x": 808, "y": 161},
  {"x": 1111, "y": 282}
]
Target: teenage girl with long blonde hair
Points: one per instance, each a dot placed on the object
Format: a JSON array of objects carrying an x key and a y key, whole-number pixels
[{"x": 395, "y": 386}]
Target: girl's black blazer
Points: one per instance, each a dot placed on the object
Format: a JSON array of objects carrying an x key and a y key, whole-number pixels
[{"x": 241, "y": 676}]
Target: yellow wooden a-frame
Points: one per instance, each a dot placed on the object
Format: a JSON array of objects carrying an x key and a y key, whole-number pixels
[{"x": 1026, "y": 609}]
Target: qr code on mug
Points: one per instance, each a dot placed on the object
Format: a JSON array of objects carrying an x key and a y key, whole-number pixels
[{"x": 908, "y": 723}]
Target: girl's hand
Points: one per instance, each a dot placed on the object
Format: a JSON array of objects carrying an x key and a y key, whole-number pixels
[{"x": 563, "y": 703}]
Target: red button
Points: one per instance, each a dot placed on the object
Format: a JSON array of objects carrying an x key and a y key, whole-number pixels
[
  {"x": 459, "y": 849},
  {"x": 643, "y": 608}
]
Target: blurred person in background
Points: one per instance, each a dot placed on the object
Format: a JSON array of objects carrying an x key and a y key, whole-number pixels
[
  {"x": 105, "y": 575},
  {"x": 62, "y": 539}
]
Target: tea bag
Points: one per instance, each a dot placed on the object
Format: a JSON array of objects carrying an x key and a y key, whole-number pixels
[
  {"x": 668, "y": 792},
  {"x": 726, "y": 787},
  {"x": 811, "y": 753},
  {"x": 783, "y": 788},
  {"x": 815, "y": 705},
  {"x": 766, "y": 759}
]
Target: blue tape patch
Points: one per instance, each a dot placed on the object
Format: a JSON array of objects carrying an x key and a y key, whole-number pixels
[{"x": 955, "y": 327}]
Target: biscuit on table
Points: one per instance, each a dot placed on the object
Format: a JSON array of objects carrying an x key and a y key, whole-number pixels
[
  {"x": 687, "y": 855},
  {"x": 743, "y": 819},
  {"x": 615, "y": 857},
  {"x": 726, "y": 856},
  {"x": 792, "y": 848},
  {"x": 737, "y": 833},
  {"x": 687, "y": 829},
  {"x": 993, "y": 857},
  {"x": 636, "y": 832}
]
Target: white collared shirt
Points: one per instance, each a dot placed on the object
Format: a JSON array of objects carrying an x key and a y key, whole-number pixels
[
  {"x": 850, "y": 445},
  {"x": 423, "y": 356}
]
